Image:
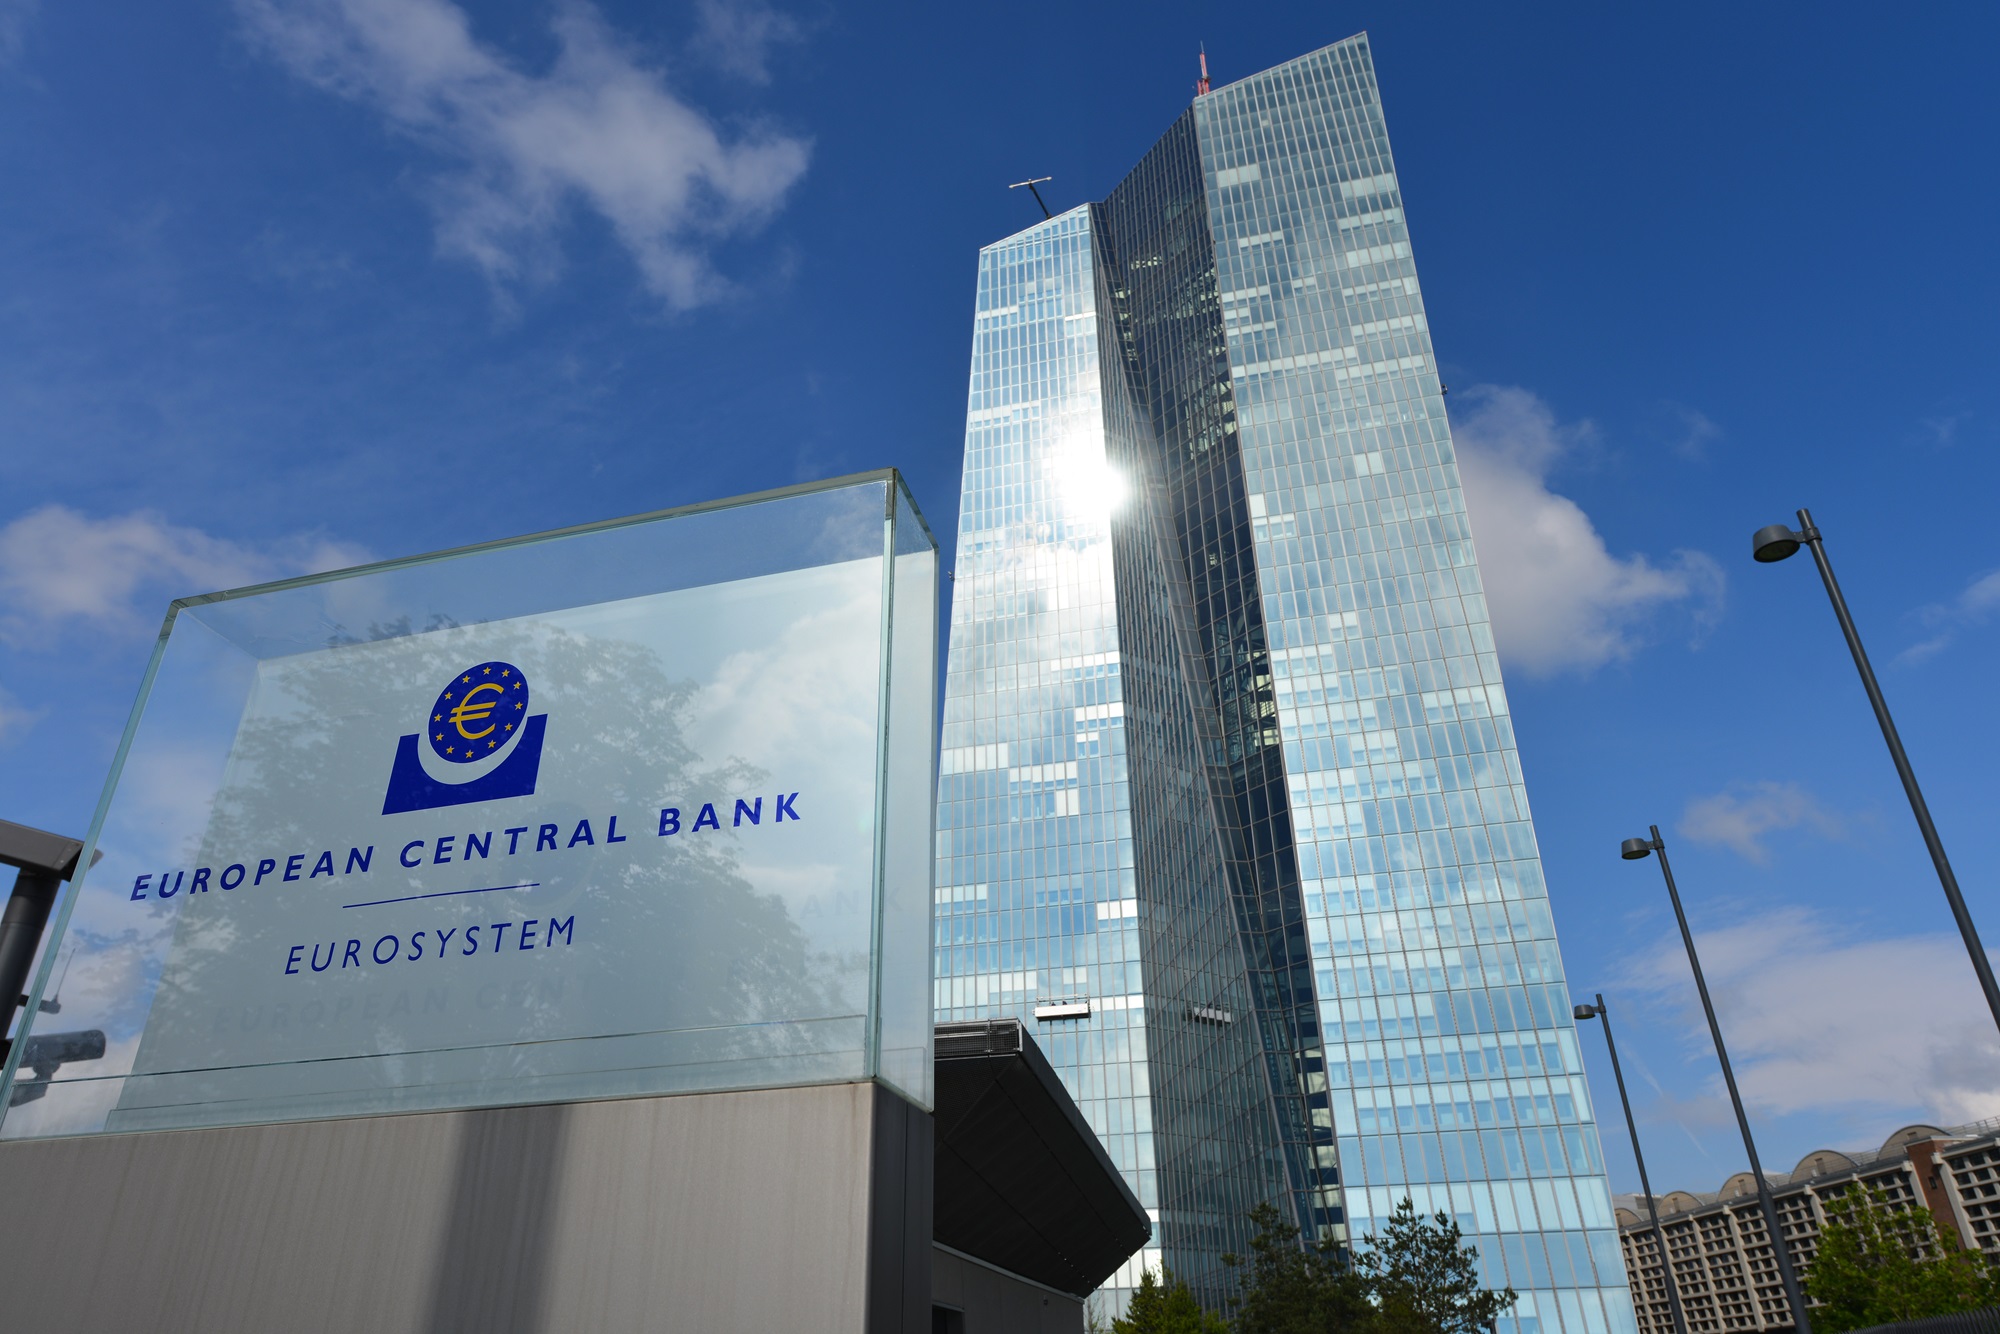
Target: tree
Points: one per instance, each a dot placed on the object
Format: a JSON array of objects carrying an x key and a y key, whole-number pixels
[
  {"x": 1289, "y": 1288},
  {"x": 1424, "y": 1279},
  {"x": 1166, "y": 1305},
  {"x": 1878, "y": 1263}
]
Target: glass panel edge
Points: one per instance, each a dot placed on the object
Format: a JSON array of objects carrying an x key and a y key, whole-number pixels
[
  {"x": 886, "y": 477},
  {"x": 52, "y": 937}
]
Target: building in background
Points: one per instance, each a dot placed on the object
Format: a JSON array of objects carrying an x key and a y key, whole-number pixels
[
  {"x": 1721, "y": 1249},
  {"x": 1230, "y": 809}
]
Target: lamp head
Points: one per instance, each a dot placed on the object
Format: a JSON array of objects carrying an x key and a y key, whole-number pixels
[
  {"x": 1636, "y": 849},
  {"x": 1585, "y": 1012},
  {"x": 1774, "y": 543}
]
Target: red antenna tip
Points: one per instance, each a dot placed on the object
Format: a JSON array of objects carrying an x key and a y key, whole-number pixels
[{"x": 1201, "y": 88}]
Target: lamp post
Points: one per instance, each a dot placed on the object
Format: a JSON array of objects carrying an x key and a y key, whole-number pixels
[
  {"x": 44, "y": 861},
  {"x": 1601, "y": 1011},
  {"x": 1777, "y": 543},
  {"x": 1636, "y": 849}
]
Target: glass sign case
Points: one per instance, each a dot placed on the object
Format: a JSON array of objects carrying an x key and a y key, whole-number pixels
[{"x": 636, "y": 808}]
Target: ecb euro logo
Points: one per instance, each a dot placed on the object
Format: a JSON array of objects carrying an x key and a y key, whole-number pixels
[{"x": 483, "y": 742}]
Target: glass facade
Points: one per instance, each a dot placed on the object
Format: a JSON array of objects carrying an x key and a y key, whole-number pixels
[
  {"x": 1220, "y": 659},
  {"x": 1076, "y": 839}
]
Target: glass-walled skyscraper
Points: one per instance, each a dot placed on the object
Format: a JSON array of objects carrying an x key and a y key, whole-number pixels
[{"x": 1230, "y": 809}]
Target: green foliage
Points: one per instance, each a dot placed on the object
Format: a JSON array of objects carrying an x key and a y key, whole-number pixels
[
  {"x": 1417, "y": 1277},
  {"x": 1879, "y": 1263},
  {"x": 1164, "y": 1305},
  {"x": 1286, "y": 1288},
  {"x": 1425, "y": 1279}
]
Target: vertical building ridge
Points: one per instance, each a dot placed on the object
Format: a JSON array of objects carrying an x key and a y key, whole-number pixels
[
  {"x": 1171, "y": 317},
  {"x": 1217, "y": 1142}
]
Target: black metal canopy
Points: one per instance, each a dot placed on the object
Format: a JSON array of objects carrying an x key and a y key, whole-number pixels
[
  {"x": 38, "y": 850},
  {"x": 1022, "y": 1182}
]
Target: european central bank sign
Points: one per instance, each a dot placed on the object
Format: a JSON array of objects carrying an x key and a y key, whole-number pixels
[
  {"x": 587, "y": 817},
  {"x": 481, "y": 731}
]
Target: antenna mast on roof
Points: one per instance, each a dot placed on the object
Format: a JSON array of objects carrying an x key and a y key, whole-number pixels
[
  {"x": 1201, "y": 88},
  {"x": 1036, "y": 193}
]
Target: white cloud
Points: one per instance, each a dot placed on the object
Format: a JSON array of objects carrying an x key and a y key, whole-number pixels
[
  {"x": 14, "y": 718},
  {"x": 598, "y": 127},
  {"x": 167, "y": 795},
  {"x": 806, "y": 693},
  {"x": 1869, "y": 1032},
  {"x": 738, "y": 36},
  {"x": 1740, "y": 815},
  {"x": 15, "y": 16},
  {"x": 1969, "y": 608},
  {"x": 58, "y": 566},
  {"x": 1691, "y": 431},
  {"x": 1942, "y": 431},
  {"x": 1560, "y": 601}
]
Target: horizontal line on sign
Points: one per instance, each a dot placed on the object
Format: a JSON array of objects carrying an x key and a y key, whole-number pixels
[
  {"x": 441, "y": 894},
  {"x": 775, "y": 1025}
]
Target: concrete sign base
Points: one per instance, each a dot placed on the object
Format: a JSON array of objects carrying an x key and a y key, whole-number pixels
[{"x": 804, "y": 1208}]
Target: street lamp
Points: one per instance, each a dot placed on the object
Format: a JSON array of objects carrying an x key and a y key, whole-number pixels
[
  {"x": 1778, "y": 542},
  {"x": 1603, "y": 1012},
  {"x": 44, "y": 861},
  {"x": 1636, "y": 849}
]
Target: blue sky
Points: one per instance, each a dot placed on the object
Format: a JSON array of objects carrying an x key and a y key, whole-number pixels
[{"x": 288, "y": 283}]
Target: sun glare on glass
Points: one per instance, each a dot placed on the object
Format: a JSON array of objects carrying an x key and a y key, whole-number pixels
[{"x": 1088, "y": 484}]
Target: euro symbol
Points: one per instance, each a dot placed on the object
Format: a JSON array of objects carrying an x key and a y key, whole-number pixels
[{"x": 472, "y": 709}]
